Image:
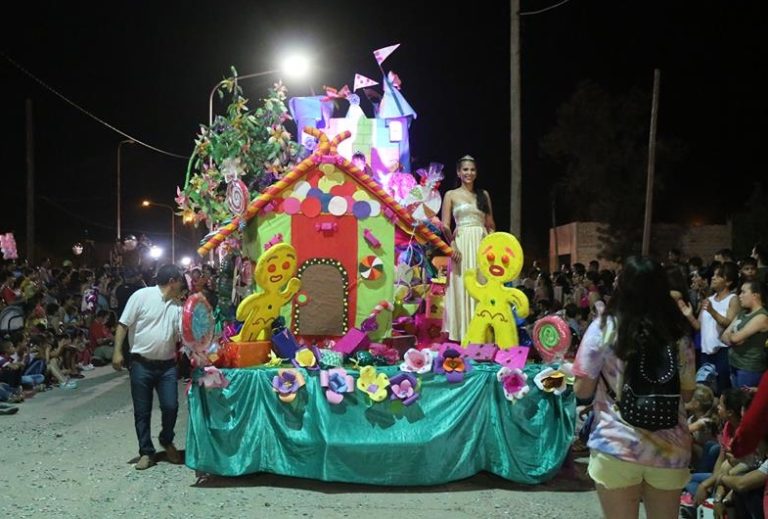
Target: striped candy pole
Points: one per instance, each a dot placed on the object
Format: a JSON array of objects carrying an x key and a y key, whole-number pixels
[{"x": 370, "y": 324}]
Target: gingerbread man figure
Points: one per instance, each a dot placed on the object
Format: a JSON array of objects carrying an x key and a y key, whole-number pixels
[
  {"x": 276, "y": 268},
  {"x": 500, "y": 259}
]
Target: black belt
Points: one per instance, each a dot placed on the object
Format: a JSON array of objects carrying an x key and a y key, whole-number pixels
[{"x": 135, "y": 357}]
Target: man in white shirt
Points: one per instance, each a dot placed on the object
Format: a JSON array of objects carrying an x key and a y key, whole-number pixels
[{"x": 152, "y": 319}]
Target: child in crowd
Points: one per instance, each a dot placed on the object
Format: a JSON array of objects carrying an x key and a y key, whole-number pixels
[
  {"x": 54, "y": 356},
  {"x": 10, "y": 373},
  {"x": 731, "y": 406},
  {"x": 703, "y": 425}
]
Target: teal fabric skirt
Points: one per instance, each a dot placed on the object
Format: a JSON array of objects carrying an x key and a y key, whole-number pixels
[{"x": 454, "y": 431}]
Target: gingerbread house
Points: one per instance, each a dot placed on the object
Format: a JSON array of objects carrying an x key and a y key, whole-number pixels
[{"x": 343, "y": 226}]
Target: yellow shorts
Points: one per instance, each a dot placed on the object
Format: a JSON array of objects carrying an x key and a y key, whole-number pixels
[{"x": 613, "y": 473}]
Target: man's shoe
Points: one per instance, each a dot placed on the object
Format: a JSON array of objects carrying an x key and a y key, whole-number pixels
[
  {"x": 172, "y": 454},
  {"x": 8, "y": 409},
  {"x": 144, "y": 462}
]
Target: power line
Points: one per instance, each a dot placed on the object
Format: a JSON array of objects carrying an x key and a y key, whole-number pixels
[
  {"x": 86, "y": 112},
  {"x": 92, "y": 223},
  {"x": 527, "y": 13}
]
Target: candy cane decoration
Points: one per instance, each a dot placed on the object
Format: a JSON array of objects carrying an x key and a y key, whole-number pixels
[
  {"x": 326, "y": 147},
  {"x": 370, "y": 324}
]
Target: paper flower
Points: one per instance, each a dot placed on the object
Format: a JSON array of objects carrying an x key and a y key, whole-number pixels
[
  {"x": 403, "y": 387},
  {"x": 514, "y": 382},
  {"x": 372, "y": 383},
  {"x": 337, "y": 381},
  {"x": 387, "y": 354},
  {"x": 551, "y": 380},
  {"x": 274, "y": 360},
  {"x": 307, "y": 357},
  {"x": 212, "y": 378},
  {"x": 417, "y": 361},
  {"x": 181, "y": 199},
  {"x": 451, "y": 364},
  {"x": 286, "y": 384}
]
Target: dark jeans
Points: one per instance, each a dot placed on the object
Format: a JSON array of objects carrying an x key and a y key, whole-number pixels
[
  {"x": 35, "y": 367},
  {"x": 743, "y": 378},
  {"x": 719, "y": 359},
  {"x": 695, "y": 481},
  {"x": 147, "y": 377}
]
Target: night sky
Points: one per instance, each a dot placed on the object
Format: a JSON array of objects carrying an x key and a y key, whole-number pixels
[{"x": 147, "y": 68}]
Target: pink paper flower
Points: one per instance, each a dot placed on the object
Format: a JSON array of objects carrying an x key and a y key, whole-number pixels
[
  {"x": 417, "y": 361},
  {"x": 514, "y": 383}
]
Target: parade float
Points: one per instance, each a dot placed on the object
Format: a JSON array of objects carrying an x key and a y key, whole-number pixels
[{"x": 324, "y": 357}]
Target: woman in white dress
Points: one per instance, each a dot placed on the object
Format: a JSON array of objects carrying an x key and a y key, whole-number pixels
[{"x": 471, "y": 211}]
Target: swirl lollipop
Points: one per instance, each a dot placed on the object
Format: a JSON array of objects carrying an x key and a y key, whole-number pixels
[
  {"x": 237, "y": 197},
  {"x": 197, "y": 323},
  {"x": 551, "y": 337}
]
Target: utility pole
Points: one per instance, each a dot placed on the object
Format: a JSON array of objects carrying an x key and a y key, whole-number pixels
[
  {"x": 651, "y": 164},
  {"x": 515, "y": 193},
  {"x": 30, "y": 184}
]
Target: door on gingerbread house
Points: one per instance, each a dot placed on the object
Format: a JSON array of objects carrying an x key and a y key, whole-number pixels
[{"x": 322, "y": 305}]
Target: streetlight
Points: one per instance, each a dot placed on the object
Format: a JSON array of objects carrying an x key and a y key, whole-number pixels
[
  {"x": 119, "y": 146},
  {"x": 149, "y": 203},
  {"x": 295, "y": 65}
]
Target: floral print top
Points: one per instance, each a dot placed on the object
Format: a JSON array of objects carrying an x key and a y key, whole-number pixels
[{"x": 666, "y": 448}]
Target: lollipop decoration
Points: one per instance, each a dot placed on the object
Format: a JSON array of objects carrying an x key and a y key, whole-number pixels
[
  {"x": 237, "y": 197},
  {"x": 371, "y": 268},
  {"x": 551, "y": 337},
  {"x": 197, "y": 324}
]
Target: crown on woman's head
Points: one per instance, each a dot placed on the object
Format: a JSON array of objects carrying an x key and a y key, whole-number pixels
[{"x": 467, "y": 157}]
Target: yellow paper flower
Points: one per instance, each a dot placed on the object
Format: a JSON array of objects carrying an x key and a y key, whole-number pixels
[
  {"x": 373, "y": 384},
  {"x": 305, "y": 358}
]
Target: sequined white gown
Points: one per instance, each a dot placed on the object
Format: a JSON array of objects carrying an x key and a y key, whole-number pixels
[{"x": 459, "y": 307}]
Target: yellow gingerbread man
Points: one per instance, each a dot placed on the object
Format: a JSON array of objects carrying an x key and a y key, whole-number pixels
[
  {"x": 500, "y": 259},
  {"x": 275, "y": 269}
]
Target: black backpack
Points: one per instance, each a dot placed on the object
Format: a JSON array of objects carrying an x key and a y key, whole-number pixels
[
  {"x": 11, "y": 319},
  {"x": 650, "y": 391}
]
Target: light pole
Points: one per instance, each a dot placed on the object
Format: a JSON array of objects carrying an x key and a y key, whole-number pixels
[
  {"x": 296, "y": 65},
  {"x": 149, "y": 203},
  {"x": 235, "y": 79},
  {"x": 119, "y": 147}
]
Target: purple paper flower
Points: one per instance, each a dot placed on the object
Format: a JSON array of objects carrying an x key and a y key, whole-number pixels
[
  {"x": 337, "y": 381},
  {"x": 286, "y": 383},
  {"x": 403, "y": 387},
  {"x": 451, "y": 364}
]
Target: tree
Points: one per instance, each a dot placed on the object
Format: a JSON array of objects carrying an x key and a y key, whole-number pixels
[{"x": 601, "y": 141}]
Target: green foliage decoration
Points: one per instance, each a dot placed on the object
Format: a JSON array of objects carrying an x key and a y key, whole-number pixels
[{"x": 254, "y": 146}]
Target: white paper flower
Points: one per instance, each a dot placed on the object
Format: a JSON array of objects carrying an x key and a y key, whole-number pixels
[
  {"x": 551, "y": 380},
  {"x": 231, "y": 169}
]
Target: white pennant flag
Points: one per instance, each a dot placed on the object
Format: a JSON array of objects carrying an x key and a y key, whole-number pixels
[
  {"x": 361, "y": 82},
  {"x": 383, "y": 53}
]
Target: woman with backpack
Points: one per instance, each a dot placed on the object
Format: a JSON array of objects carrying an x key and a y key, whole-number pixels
[{"x": 638, "y": 362}]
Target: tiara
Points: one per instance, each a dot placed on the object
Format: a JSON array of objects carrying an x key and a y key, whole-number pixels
[{"x": 467, "y": 157}]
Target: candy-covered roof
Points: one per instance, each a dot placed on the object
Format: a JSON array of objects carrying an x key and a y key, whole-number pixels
[{"x": 326, "y": 153}]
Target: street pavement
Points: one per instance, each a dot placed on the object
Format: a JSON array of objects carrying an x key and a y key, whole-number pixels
[{"x": 70, "y": 453}]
